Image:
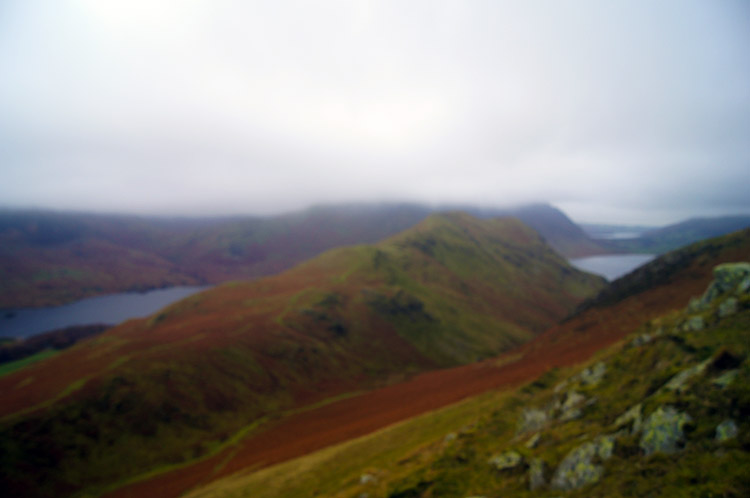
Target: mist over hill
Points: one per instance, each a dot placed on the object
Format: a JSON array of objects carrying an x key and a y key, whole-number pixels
[
  {"x": 50, "y": 258},
  {"x": 670, "y": 237}
]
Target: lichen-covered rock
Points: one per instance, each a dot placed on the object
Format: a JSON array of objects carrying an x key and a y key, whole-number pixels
[
  {"x": 532, "y": 419},
  {"x": 536, "y": 474},
  {"x": 571, "y": 414},
  {"x": 694, "y": 324},
  {"x": 677, "y": 383},
  {"x": 726, "y": 430},
  {"x": 725, "y": 379},
  {"x": 573, "y": 399},
  {"x": 634, "y": 415},
  {"x": 641, "y": 340},
  {"x": 728, "y": 278},
  {"x": 663, "y": 431},
  {"x": 580, "y": 467},
  {"x": 744, "y": 286},
  {"x": 605, "y": 446},
  {"x": 728, "y": 307},
  {"x": 577, "y": 469},
  {"x": 570, "y": 409},
  {"x": 592, "y": 376},
  {"x": 696, "y": 305},
  {"x": 508, "y": 460}
]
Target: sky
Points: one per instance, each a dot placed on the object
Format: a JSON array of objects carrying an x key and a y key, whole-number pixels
[{"x": 634, "y": 112}]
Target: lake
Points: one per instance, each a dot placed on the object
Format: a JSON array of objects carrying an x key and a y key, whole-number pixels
[
  {"x": 111, "y": 309},
  {"x": 612, "y": 266}
]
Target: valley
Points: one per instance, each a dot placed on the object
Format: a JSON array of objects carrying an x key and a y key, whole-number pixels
[
  {"x": 249, "y": 375},
  {"x": 171, "y": 388}
]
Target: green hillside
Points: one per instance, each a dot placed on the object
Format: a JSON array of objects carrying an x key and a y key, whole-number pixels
[
  {"x": 189, "y": 381},
  {"x": 665, "y": 412}
]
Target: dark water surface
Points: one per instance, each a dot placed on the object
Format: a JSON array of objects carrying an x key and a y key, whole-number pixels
[
  {"x": 612, "y": 266},
  {"x": 111, "y": 309}
]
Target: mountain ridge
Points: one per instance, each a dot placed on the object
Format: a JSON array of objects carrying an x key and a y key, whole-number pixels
[{"x": 50, "y": 258}]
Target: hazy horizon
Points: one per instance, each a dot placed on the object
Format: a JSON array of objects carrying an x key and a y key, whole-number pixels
[{"x": 620, "y": 112}]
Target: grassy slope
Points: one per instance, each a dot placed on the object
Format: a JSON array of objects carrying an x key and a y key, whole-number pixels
[
  {"x": 446, "y": 453},
  {"x": 673, "y": 279},
  {"x": 12, "y": 366},
  {"x": 157, "y": 392}
]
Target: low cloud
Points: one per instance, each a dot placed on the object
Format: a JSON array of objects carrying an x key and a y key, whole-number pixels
[{"x": 219, "y": 107}]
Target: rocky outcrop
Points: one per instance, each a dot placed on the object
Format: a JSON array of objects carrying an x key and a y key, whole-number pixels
[
  {"x": 679, "y": 381},
  {"x": 663, "y": 431},
  {"x": 726, "y": 430},
  {"x": 729, "y": 278},
  {"x": 582, "y": 465},
  {"x": 571, "y": 408},
  {"x": 532, "y": 419},
  {"x": 633, "y": 416},
  {"x": 593, "y": 375},
  {"x": 508, "y": 460}
]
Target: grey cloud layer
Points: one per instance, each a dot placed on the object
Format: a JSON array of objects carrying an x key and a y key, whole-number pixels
[{"x": 639, "y": 110}]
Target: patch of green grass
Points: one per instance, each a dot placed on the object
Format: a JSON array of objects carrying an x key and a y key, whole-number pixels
[
  {"x": 13, "y": 366},
  {"x": 338, "y": 468}
]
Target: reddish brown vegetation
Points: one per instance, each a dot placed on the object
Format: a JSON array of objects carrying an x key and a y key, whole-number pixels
[{"x": 563, "y": 345}]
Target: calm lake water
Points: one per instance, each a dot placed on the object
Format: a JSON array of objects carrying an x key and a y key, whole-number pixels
[
  {"x": 612, "y": 266},
  {"x": 111, "y": 309}
]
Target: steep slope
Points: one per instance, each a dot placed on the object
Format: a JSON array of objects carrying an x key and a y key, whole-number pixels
[
  {"x": 671, "y": 237},
  {"x": 559, "y": 231},
  {"x": 601, "y": 324},
  {"x": 663, "y": 413},
  {"x": 175, "y": 387}
]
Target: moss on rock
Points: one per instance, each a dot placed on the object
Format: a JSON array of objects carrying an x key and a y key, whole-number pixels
[{"x": 663, "y": 431}]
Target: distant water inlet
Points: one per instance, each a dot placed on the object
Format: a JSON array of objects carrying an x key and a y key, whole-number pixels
[
  {"x": 612, "y": 266},
  {"x": 112, "y": 309}
]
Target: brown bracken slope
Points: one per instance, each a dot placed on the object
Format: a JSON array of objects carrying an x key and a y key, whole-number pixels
[{"x": 661, "y": 286}]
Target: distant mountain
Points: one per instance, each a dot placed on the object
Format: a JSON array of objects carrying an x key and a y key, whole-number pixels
[
  {"x": 183, "y": 383},
  {"x": 668, "y": 238},
  {"x": 558, "y": 230},
  {"x": 49, "y": 258}
]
